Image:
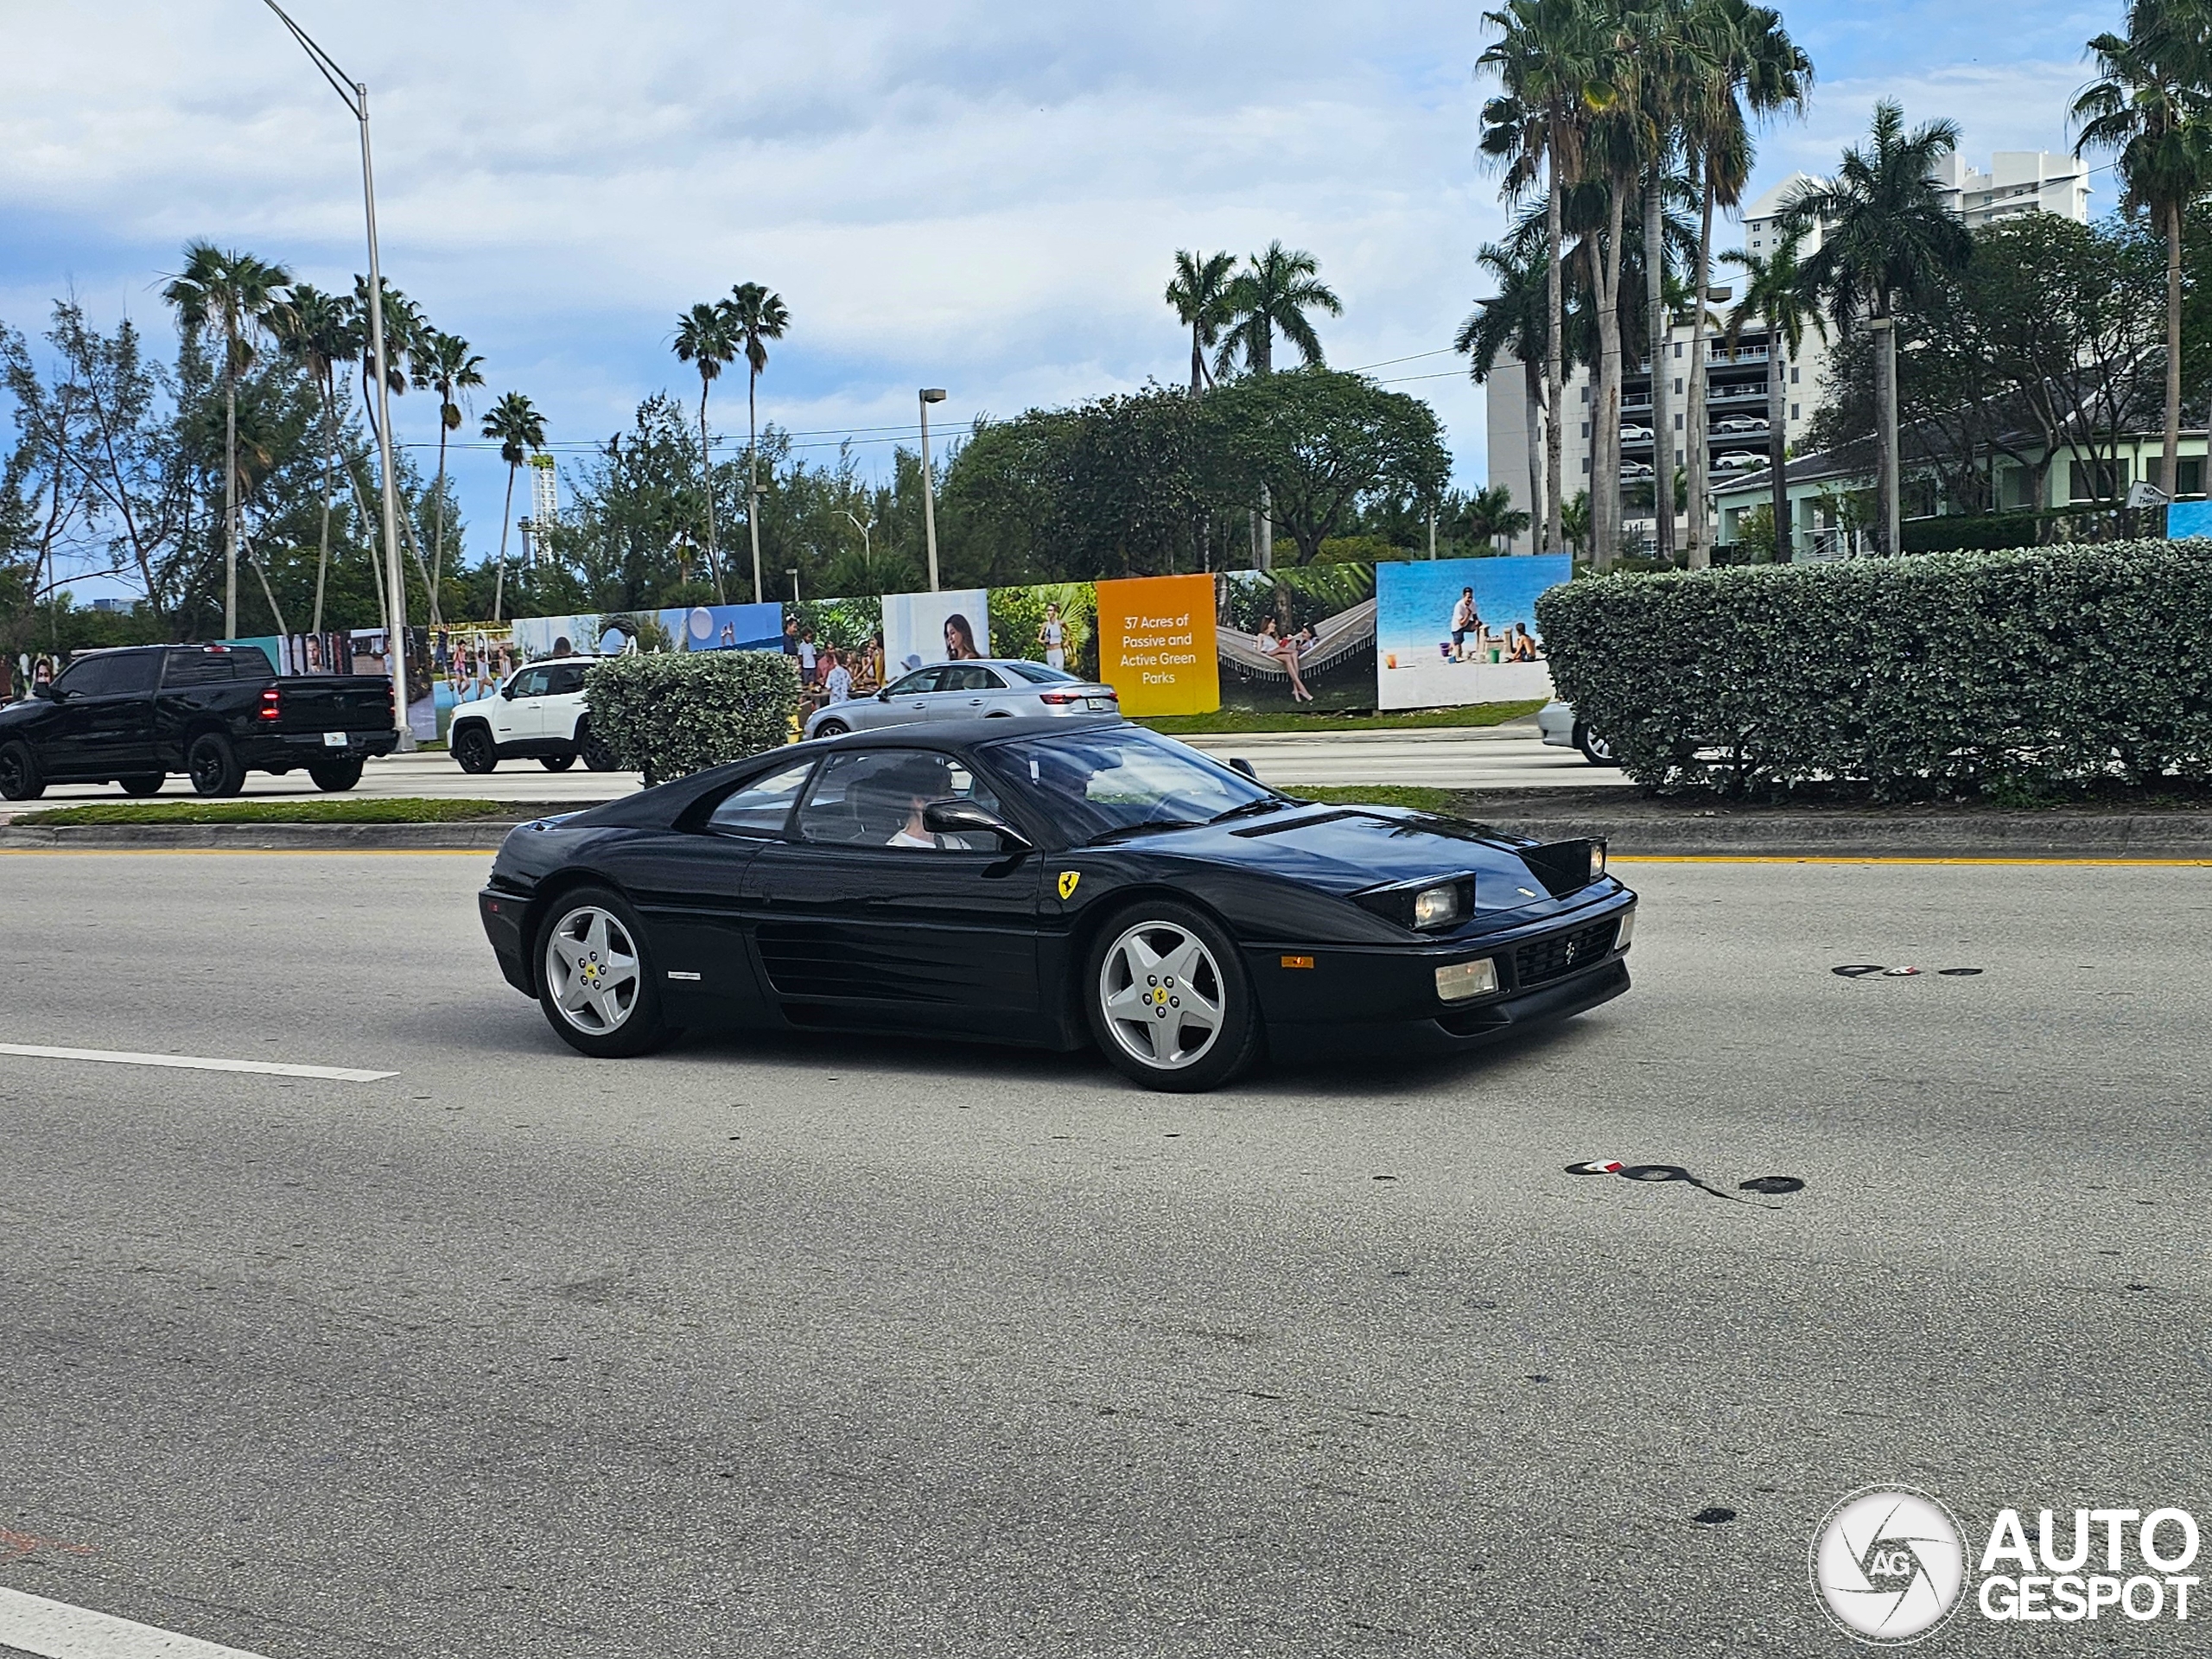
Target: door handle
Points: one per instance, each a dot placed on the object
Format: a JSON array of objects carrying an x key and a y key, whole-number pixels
[{"x": 975, "y": 702}]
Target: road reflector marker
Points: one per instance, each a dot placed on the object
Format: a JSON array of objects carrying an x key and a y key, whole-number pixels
[
  {"x": 54, "y": 1630},
  {"x": 196, "y": 1062}
]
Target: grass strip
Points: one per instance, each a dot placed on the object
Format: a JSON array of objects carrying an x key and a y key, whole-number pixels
[
  {"x": 1406, "y": 795},
  {"x": 403, "y": 809},
  {"x": 1231, "y": 720}
]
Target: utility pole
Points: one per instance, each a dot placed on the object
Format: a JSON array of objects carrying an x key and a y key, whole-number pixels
[
  {"x": 356, "y": 95},
  {"x": 929, "y": 395}
]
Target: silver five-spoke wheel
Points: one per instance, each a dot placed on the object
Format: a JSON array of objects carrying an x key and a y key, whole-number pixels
[
  {"x": 591, "y": 968},
  {"x": 1162, "y": 993}
]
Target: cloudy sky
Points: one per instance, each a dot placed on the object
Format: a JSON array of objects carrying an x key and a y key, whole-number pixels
[{"x": 978, "y": 196}]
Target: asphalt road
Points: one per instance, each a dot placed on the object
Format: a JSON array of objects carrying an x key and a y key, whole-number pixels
[
  {"x": 858, "y": 1348},
  {"x": 1508, "y": 757}
]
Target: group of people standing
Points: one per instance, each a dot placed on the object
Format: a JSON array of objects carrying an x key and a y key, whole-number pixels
[{"x": 830, "y": 673}]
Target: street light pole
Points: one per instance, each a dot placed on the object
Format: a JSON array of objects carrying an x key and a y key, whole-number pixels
[
  {"x": 929, "y": 395},
  {"x": 356, "y": 95},
  {"x": 794, "y": 574}
]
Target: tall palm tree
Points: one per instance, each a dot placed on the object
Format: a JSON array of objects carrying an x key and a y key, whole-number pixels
[
  {"x": 1615, "y": 147},
  {"x": 320, "y": 331},
  {"x": 1198, "y": 292},
  {"x": 520, "y": 429},
  {"x": 1753, "y": 70},
  {"x": 1535, "y": 126},
  {"x": 756, "y": 316},
  {"x": 1515, "y": 322},
  {"x": 1887, "y": 234},
  {"x": 2152, "y": 105},
  {"x": 444, "y": 365},
  {"x": 1489, "y": 516},
  {"x": 236, "y": 293},
  {"x": 1274, "y": 291},
  {"x": 1777, "y": 295},
  {"x": 405, "y": 329},
  {"x": 704, "y": 338},
  {"x": 1671, "y": 61}
]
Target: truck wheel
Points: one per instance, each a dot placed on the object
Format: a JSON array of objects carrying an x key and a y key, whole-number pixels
[
  {"x": 20, "y": 780},
  {"x": 557, "y": 762},
  {"x": 596, "y": 754},
  {"x": 336, "y": 775},
  {"x": 473, "y": 748},
  {"x": 148, "y": 785},
  {"x": 212, "y": 766}
]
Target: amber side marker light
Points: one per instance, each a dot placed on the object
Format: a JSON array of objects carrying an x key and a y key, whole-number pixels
[{"x": 1297, "y": 961}]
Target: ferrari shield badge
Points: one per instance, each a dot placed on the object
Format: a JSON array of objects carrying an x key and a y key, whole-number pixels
[{"x": 1068, "y": 879}]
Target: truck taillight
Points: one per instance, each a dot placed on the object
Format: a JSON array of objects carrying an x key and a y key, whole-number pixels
[{"x": 272, "y": 707}]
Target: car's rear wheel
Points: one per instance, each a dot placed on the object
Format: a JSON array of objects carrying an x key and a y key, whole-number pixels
[
  {"x": 150, "y": 784},
  {"x": 596, "y": 754},
  {"x": 557, "y": 762},
  {"x": 831, "y": 728},
  {"x": 1595, "y": 749},
  {"x": 595, "y": 976},
  {"x": 336, "y": 776},
  {"x": 472, "y": 748},
  {"x": 212, "y": 765},
  {"x": 20, "y": 777},
  {"x": 1167, "y": 999}
]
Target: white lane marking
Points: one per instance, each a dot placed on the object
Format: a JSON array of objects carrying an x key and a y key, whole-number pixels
[
  {"x": 195, "y": 1062},
  {"x": 54, "y": 1630}
]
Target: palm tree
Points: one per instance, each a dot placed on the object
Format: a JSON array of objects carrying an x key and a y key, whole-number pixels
[
  {"x": 320, "y": 331},
  {"x": 1515, "y": 323},
  {"x": 515, "y": 421},
  {"x": 1887, "y": 234},
  {"x": 405, "y": 329},
  {"x": 1777, "y": 295},
  {"x": 1671, "y": 67},
  {"x": 756, "y": 316},
  {"x": 1489, "y": 515},
  {"x": 703, "y": 339},
  {"x": 1274, "y": 291},
  {"x": 444, "y": 365},
  {"x": 1574, "y": 522},
  {"x": 1541, "y": 60},
  {"x": 1199, "y": 293},
  {"x": 1752, "y": 69},
  {"x": 2153, "y": 107},
  {"x": 236, "y": 293}
]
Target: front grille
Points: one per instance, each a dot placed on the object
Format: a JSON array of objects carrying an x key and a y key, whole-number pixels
[{"x": 1563, "y": 953}]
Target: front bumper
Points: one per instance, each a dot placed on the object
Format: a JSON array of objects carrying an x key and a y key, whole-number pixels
[
  {"x": 1482, "y": 1023},
  {"x": 504, "y": 914}
]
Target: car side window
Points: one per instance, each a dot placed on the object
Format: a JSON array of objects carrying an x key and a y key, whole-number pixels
[
  {"x": 199, "y": 668},
  {"x": 564, "y": 678},
  {"x": 876, "y": 798},
  {"x": 530, "y": 683},
  {"x": 133, "y": 671},
  {"x": 966, "y": 677},
  {"x": 921, "y": 679},
  {"x": 762, "y": 807},
  {"x": 93, "y": 678}
]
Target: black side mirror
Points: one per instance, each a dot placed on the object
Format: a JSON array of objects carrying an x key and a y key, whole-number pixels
[
  {"x": 508, "y": 692},
  {"x": 1237, "y": 763},
  {"x": 966, "y": 818},
  {"x": 884, "y": 696}
]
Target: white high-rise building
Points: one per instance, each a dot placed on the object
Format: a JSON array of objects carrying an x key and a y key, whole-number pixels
[
  {"x": 544, "y": 501},
  {"x": 1737, "y": 387}
]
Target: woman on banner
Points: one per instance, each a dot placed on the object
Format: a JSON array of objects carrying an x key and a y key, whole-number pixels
[
  {"x": 960, "y": 640},
  {"x": 1284, "y": 651},
  {"x": 1053, "y": 637}
]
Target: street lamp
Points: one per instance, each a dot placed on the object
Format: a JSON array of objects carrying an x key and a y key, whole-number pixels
[
  {"x": 356, "y": 94},
  {"x": 793, "y": 573},
  {"x": 929, "y": 395}
]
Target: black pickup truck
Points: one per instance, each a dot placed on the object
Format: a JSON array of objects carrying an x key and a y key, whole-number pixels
[{"x": 213, "y": 712}]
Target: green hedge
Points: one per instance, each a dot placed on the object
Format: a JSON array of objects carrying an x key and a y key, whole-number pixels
[
  {"x": 2026, "y": 669},
  {"x": 670, "y": 713}
]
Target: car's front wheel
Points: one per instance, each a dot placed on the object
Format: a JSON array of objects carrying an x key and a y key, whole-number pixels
[
  {"x": 596, "y": 754},
  {"x": 20, "y": 777},
  {"x": 212, "y": 765},
  {"x": 472, "y": 747},
  {"x": 595, "y": 978},
  {"x": 1595, "y": 749},
  {"x": 1168, "y": 1000},
  {"x": 831, "y": 728}
]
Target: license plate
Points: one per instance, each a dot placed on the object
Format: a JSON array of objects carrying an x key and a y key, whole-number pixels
[
  {"x": 1099, "y": 704},
  {"x": 334, "y": 739}
]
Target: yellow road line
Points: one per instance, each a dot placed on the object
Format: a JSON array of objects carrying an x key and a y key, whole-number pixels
[{"x": 1870, "y": 858}]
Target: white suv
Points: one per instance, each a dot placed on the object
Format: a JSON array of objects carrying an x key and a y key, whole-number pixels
[{"x": 538, "y": 714}]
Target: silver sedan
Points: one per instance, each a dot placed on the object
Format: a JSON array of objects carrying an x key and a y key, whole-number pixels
[{"x": 994, "y": 688}]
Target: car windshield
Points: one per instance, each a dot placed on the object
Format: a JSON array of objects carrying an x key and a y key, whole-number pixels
[
  {"x": 1041, "y": 674},
  {"x": 1118, "y": 778}
]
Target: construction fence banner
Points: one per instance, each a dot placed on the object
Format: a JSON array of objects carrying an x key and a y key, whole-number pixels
[
  {"x": 2187, "y": 519},
  {"x": 1157, "y": 644},
  {"x": 1458, "y": 631},
  {"x": 1301, "y": 638}
]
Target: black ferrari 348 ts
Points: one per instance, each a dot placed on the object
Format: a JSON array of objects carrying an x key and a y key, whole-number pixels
[{"x": 1087, "y": 881}]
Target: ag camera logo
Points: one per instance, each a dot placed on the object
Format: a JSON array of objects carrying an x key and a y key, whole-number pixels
[{"x": 1888, "y": 1564}]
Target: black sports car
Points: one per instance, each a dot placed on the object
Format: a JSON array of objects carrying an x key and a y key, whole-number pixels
[{"x": 1050, "y": 886}]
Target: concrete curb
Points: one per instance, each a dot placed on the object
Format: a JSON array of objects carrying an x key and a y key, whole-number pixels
[{"x": 483, "y": 836}]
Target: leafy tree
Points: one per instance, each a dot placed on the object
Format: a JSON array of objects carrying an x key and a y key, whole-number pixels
[
  {"x": 320, "y": 331},
  {"x": 520, "y": 429},
  {"x": 1514, "y": 324},
  {"x": 1887, "y": 235},
  {"x": 445, "y": 365},
  {"x": 1199, "y": 293},
  {"x": 234, "y": 294},
  {"x": 755, "y": 317},
  {"x": 704, "y": 340}
]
